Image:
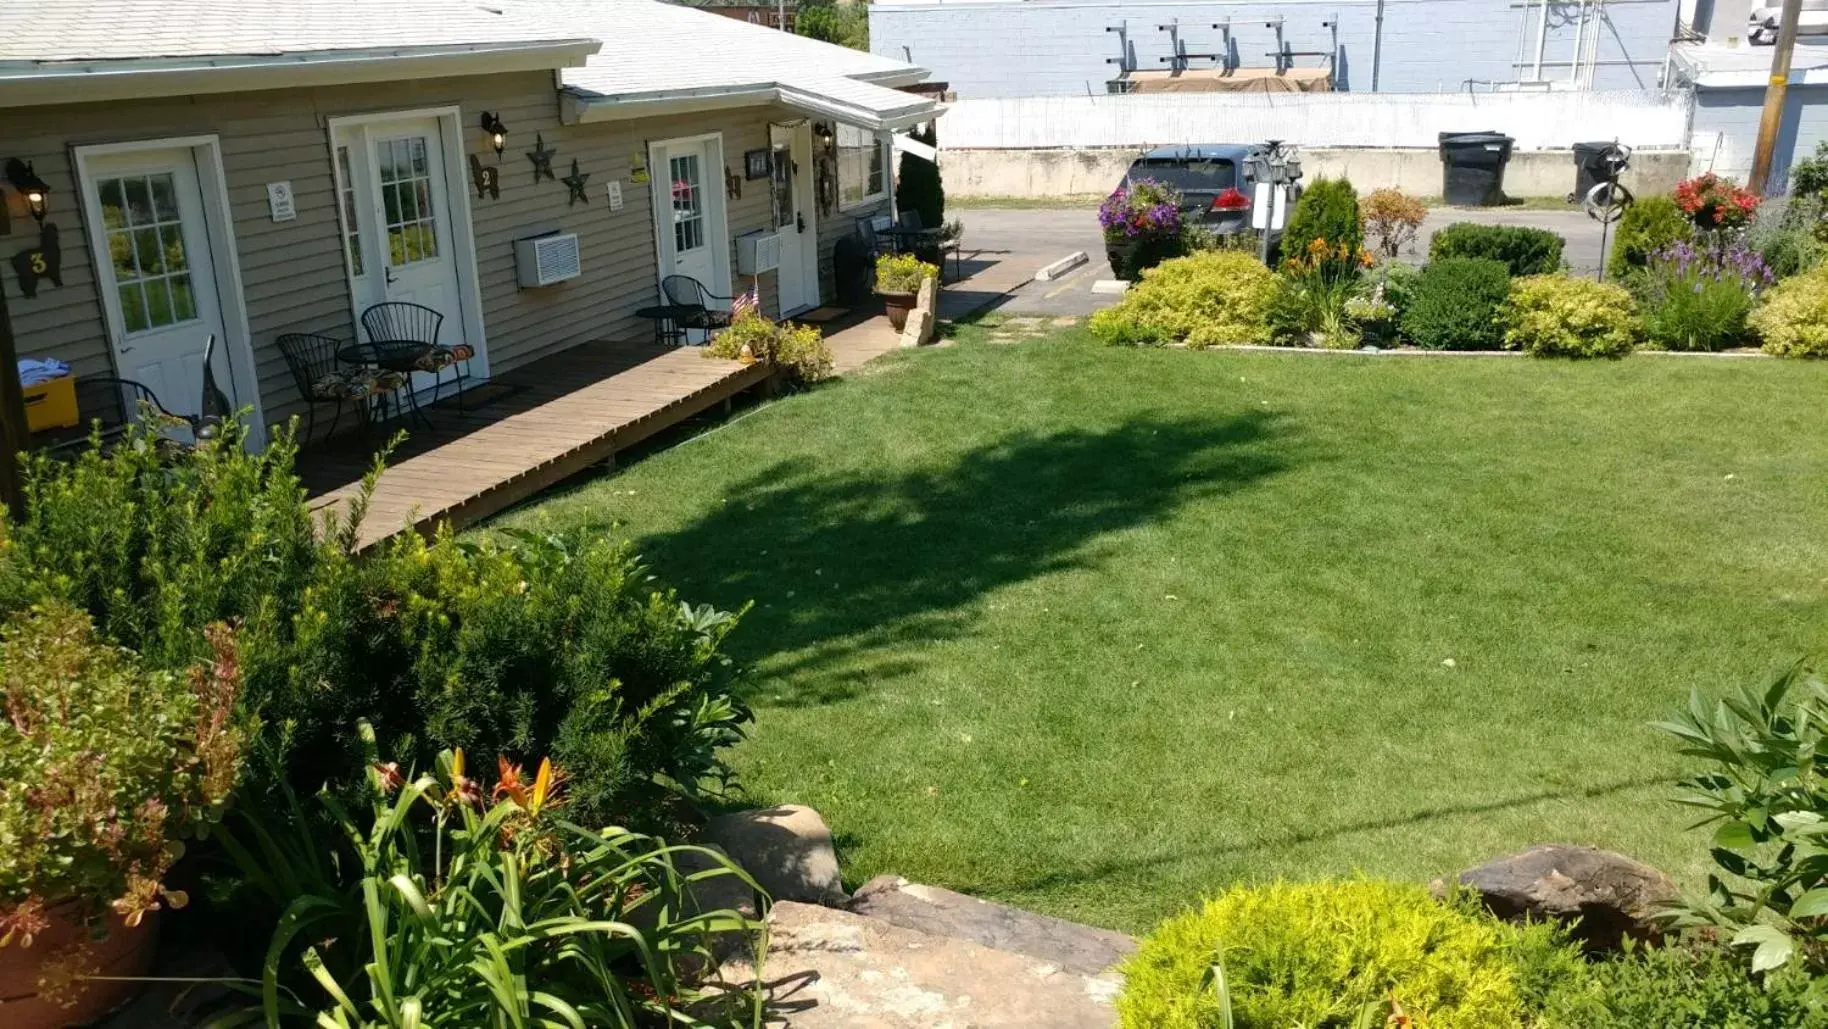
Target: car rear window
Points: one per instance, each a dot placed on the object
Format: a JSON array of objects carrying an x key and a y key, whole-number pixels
[{"x": 1209, "y": 176}]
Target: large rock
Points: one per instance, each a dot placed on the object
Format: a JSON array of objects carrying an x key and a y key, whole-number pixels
[
  {"x": 929, "y": 909},
  {"x": 830, "y": 969},
  {"x": 1602, "y": 897},
  {"x": 787, "y": 849}
]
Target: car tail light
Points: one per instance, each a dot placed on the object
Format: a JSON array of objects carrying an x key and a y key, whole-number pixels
[{"x": 1231, "y": 200}]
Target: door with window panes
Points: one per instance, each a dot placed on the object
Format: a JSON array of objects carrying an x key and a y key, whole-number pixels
[
  {"x": 158, "y": 277},
  {"x": 395, "y": 207},
  {"x": 795, "y": 217}
]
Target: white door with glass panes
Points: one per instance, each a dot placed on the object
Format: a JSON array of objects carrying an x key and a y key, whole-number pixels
[
  {"x": 691, "y": 234},
  {"x": 794, "y": 216},
  {"x": 159, "y": 276},
  {"x": 396, "y": 217}
]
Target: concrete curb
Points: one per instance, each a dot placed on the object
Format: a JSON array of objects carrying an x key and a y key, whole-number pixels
[{"x": 1049, "y": 272}]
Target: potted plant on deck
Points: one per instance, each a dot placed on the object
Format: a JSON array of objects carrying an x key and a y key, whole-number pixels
[
  {"x": 105, "y": 767},
  {"x": 898, "y": 281},
  {"x": 1142, "y": 227}
]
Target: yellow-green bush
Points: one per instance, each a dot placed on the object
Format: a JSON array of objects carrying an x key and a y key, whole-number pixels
[
  {"x": 1322, "y": 954},
  {"x": 1207, "y": 299},
  {"x": 1559, "y": 316},
  {"x": 798, "y": 351},
  {"x": 1794, "y": 317}
]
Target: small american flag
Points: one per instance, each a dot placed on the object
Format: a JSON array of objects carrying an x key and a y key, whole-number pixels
[{"x": 747, "y": 304}]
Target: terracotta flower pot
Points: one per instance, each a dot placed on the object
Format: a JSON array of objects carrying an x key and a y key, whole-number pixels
[
  {"x": 898, "y": 306},
  {"x": 125, "y": 952}
]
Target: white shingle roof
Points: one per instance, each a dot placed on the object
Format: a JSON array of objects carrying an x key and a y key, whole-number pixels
[
  {"x": 653, "y": 49},
  {"x": 45, "y": 31}
]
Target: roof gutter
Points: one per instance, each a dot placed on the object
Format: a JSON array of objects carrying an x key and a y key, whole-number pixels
[
  {"x": 581, "y": 107},
  {"x": 37, "y": 84}
]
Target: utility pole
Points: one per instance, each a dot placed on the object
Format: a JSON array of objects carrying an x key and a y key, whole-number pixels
[
  {"x": 13, "y": 433},
  {"x": 1776, "y": 93}
]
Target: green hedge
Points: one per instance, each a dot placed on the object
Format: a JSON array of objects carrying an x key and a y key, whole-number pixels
[
  {"x": 1328, "y": 209},
  {"x": 1561, "y": 316},
  {"x": 1455, "y": 305},
  {"x": 1524, "y": 251},
  {"x": 1207, "y": 299}
]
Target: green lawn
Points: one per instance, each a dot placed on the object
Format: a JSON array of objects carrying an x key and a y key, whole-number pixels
[{"x": 1097, "y": 630}]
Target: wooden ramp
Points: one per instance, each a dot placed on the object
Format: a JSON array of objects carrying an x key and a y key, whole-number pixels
[{"x": 524, "y": 431}]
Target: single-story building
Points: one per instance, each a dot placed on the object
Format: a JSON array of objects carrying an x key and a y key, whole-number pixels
[
  {"x": 1729, "y": 82},
  {"x": 250, "y": 168}
]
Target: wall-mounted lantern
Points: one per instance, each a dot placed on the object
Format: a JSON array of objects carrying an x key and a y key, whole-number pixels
[
  {"x": 29, "y": 185},
  {"x": 498, "y": 133}
]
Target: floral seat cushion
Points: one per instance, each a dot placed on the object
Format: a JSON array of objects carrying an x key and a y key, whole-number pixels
[
  {"x": 440, "y": 358},
  {"x": 356, "y": 383}
]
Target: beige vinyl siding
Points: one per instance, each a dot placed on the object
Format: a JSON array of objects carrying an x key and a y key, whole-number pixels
[{"x": 293, "y": 272}]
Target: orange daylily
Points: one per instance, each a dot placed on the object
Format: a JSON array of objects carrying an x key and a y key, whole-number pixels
[{"x": 545, "y": 789}]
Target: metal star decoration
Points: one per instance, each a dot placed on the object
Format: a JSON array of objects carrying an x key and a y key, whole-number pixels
[
  {"x": 541, "y": 156},
  {"x": 576, "y": 182}
]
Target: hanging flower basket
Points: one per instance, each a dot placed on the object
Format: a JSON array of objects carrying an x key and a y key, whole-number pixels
[{"x": 1142, "y": 227}]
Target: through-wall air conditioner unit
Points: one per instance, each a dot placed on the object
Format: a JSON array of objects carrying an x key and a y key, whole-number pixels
[
  {"x": 545, "y": 260},
  {"x": 758, "y": 252}
]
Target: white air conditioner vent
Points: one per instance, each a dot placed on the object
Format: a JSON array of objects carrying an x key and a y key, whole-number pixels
[
  {"x": 544, "y": 260},
  {"x": 757, "y": 252}
]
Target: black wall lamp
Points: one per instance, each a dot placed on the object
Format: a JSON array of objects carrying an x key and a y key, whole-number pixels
[
  {"x": 29, "y": 185},
  {"x": 498, "y": 133}
]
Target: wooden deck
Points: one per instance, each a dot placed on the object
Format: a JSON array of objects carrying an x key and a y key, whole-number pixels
[{"x": 524, "y": 431}]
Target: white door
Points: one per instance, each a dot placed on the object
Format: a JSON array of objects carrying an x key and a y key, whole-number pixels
[
  {"x": 692, "y": 236},
  {"x": 794, "y": 217},
  {"x": 397, "y": 222},
  {"x": 159, "y": 278}
]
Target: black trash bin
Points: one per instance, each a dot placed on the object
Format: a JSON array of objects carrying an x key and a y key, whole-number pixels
[
  {"x": 1592, "y": 166},
  {"x": 1472, "y": 167}
]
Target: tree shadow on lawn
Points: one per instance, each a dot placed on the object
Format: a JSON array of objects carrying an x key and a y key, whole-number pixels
[{"x": 851, "y": 568}]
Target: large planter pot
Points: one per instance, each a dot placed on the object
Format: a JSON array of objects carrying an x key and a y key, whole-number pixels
[
  {"x": 898, "y": 306},
  {"x": 1129, "y": 258},
  {"x": 124, "y": 952}
]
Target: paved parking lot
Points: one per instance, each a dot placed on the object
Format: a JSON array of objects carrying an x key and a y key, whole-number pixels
[{"x": 1004, "y": 248}]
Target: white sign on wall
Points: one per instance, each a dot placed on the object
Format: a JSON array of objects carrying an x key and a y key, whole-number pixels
[
  {"x": 615, "y": 194},
  {"x": 279, "y": 201}
]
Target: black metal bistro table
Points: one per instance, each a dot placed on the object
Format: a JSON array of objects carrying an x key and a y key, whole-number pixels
[
  {"x": 668, "y": 319},
  {"x": 394, "y": 355}
]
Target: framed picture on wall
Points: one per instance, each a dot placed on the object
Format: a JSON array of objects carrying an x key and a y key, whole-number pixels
[{"x": 758, "y": 164}]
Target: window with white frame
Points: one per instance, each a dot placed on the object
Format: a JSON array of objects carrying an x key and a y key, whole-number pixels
[{"x": 863, "y": 167}]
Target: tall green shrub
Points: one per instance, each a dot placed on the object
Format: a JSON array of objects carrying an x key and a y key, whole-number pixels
[
  {"x": 918, "y": 188},
  {"x": 1327, "y": 210},
  {"x": 562, "y": 645},
  {"x": 847, "y": 25},
  {"x": 1455, "y": 304},
  {"x": 1648, "y": 226},
  {"x": 1525, "y": 251}
]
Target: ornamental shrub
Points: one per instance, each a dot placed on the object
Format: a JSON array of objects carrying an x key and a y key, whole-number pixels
[
  {"x": 1207, "y": 299},
  {"x": 902, "y": 273},
  {"x": 1698, "y": 298},
  {"x": 1525, "y": 251},
  {"x": 1794, "y": 317},
  {"x": 1684, "y": 987},
  {"x": 1651, "y": 224},
  {"x": 1559, "y": 316},
  {"x": 1455, "y": 305},
  {"x": 1789, "y": 235},
  {"x": 1328, "y": 209},
  {"x": 798, "y": 351},
  {"x": 105, "y": 767},
  {"x": 1392, "y": 219},
  {"x": 1338, "y": 954}
]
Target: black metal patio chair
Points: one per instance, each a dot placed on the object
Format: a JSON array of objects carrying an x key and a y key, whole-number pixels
[
  {"x": 397, "y": 321},
  {"x": 685, "y": 292},
  {"x": 322, "y": 378}
]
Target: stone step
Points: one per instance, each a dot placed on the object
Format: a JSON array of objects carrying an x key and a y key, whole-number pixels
[
  {"x": 832, "y": 969},
  {"x": 940, "y": 912}
]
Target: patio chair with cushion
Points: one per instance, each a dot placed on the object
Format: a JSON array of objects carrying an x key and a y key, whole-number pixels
[
  {"x": 694, "y": 300},
  {"x": 397, "y": 321},
  {"x": 322, "y": 379}
]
